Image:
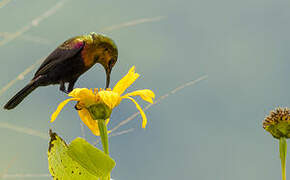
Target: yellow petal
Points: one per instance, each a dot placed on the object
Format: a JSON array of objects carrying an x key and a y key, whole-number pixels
[
  {"x": 107, "y": 121},
  {"x": 88, "y": 121},
  {"x": 80, "y": 92},
  {"x": 60, "y": 107},
  {"x": 144, "y": 122},
  {"x": 126, "y": 81},
  {"x": 145, "y": 94},
  {"x": 86, "y": 96},
  {"x": 110, "y": 98}
]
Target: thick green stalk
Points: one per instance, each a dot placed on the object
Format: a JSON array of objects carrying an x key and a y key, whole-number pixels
[
  {"x": 283, "y": 153},
  {"x": 104, "y": 138},
  {"x": 100, "y": 112},
  {"x": 104, "y": 135}
]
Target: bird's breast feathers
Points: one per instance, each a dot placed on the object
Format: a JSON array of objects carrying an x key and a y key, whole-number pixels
[{"x": 89, "y": 54}]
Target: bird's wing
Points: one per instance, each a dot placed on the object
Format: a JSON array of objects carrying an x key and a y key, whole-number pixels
[{"x": 65, "y": 51}]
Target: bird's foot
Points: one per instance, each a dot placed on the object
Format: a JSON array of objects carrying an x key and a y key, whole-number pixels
[
  {"x": 65, "y": 91},
  {"x": 77, "y": 107},
  {"x": 62, "y": 87}
]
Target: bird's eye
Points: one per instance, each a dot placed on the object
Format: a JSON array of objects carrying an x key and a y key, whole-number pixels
[{"x": 106, "y": 49}]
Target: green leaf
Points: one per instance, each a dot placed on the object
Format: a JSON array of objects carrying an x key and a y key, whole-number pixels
[{"x": 78, "y": 160}]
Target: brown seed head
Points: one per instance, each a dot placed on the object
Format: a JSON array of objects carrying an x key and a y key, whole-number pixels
[{"x": 278, "y": 123}]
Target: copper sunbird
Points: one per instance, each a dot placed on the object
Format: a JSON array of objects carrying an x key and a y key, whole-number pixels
[{"x": 68, "y": 62}]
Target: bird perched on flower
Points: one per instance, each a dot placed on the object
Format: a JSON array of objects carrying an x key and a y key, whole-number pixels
[
  {"x": 94, "y": 105},
  {"x": 69, "y": 61}
]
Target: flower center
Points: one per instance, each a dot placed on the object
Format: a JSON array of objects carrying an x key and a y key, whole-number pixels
[{"x": 110, "y": 98}]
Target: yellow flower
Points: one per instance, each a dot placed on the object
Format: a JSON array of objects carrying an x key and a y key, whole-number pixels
[
  {"x": 107, "y": 99},
  {"x": 278, "y": 123}
]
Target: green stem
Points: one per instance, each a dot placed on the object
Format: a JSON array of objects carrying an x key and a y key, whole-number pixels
[
  {"x": 100, "y": 112},
  {"x": 104, "y": 138},
  {"x": 104, "y": 135},
  {"x": 283, "y": 153}
]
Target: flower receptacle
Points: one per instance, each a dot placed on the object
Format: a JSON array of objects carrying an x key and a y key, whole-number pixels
[
  {"x": 278, "y": 123},
  {"x": 100, "y": 111},
  {"x": 280, "y": 130}
]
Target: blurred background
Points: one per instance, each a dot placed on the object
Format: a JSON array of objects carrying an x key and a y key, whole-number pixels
[{"x": 211, "y": 130}]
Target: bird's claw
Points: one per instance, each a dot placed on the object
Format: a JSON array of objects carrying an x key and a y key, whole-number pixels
[{"x": 77, "y": 107}]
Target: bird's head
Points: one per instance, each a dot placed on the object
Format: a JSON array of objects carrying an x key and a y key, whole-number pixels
[{"x": 106, "y": 53}]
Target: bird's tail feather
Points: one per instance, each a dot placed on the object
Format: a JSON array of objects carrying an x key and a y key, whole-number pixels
[{"x": 18, "y": 98}]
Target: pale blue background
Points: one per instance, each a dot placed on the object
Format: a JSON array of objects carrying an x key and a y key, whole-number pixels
[{"x": 209, "y": 131}]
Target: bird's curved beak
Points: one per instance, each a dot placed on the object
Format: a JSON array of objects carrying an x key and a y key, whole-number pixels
[{"x": 108, "y": 74}]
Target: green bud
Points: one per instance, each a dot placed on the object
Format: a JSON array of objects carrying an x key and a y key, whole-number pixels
[{"x": 100, "y": 111}]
